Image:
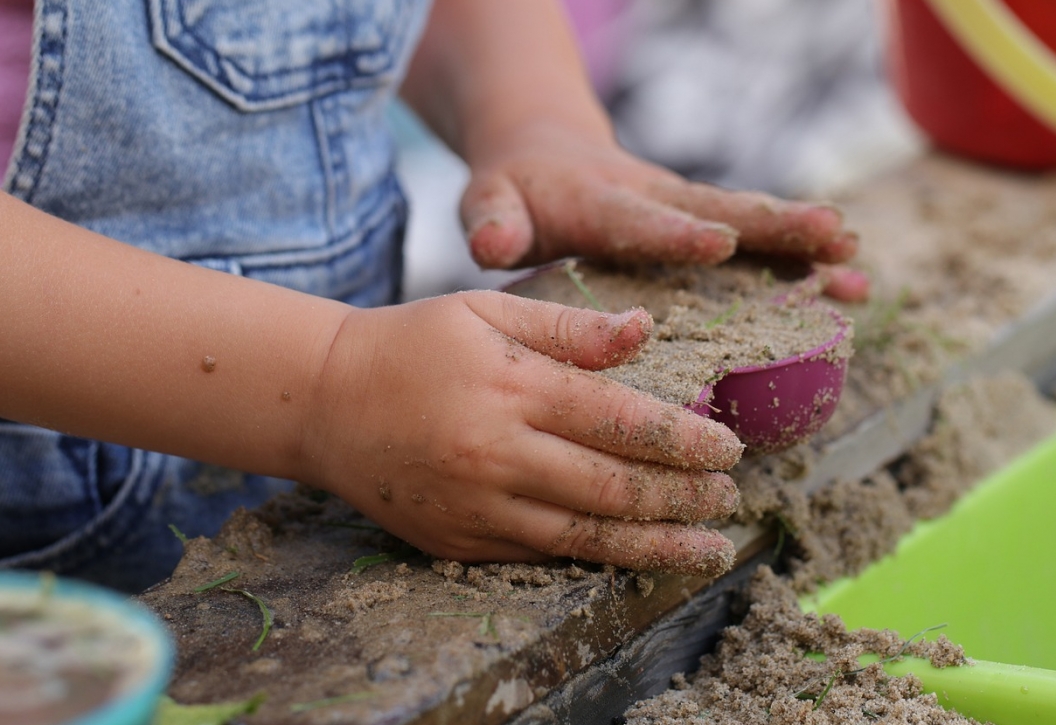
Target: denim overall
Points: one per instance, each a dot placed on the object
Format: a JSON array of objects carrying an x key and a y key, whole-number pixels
[{"x": 242, "y": 135}]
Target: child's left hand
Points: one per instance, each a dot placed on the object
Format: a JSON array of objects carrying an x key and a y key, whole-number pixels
[
  {"x": 503, "y": 85},
  {"x": 549, "y": 194}
]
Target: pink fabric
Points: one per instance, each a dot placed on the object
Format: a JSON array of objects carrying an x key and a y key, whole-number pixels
[
  {"x": 16, "y": 40},
  {"x": 602, "y": 28}
]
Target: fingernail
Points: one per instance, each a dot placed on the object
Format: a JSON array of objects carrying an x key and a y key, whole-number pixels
[
  {"x": 840, "y": 249},
  {"x": 725, "y": 231},
  {"x": 731, "y": 499},
  {"x": 490, "y": 220},
  {"x": 722, "y": 241},
  {"x": 847, "y": 285},
  {"x": 717, "y": 448},
  {"x": 492, "y": 244},
  {"x": 849, "y": 239},
  {"x": 711, "y": 554},
  {"x": 635, "y": 316},
  {"x": 719, "y": 495},
  {"x": 830, "y": 206}
]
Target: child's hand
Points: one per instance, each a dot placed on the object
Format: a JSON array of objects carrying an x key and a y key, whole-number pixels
[
  {"x": 548, "y": 192},
  {"x": 503, "y": 85},
  {"x": 470, "y": 426}
]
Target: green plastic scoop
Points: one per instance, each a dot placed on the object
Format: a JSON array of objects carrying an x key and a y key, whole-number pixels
[
  {"x": 987, "y": 691},
  {"x": 987, "y": 570}
]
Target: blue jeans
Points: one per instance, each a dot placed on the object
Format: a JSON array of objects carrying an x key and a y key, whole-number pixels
[
  {"x": 102, "y": 512},
  {"x": 242, "y": 135}
]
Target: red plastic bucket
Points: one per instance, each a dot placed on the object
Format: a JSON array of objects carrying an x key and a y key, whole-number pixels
[{"x": 979, "y": 85}]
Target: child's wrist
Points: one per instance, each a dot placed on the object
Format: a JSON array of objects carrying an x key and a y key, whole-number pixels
[
  {"x": 503, "y": 137},
  {"x": 336, "y": 378}
]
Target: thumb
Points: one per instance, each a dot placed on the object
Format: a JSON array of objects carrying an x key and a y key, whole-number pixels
[
  {"x": 585, "y": 338},
  {"x": 497, "y": 222}
]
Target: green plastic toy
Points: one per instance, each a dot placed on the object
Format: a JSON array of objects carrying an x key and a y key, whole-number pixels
[{"x": 987, "y": 570}]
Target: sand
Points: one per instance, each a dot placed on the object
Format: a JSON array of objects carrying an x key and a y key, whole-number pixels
[
  {"x": 396, "y": 637},
  {"x": 709, "y": 321},
  {"x": 406, "y": 636},
  {"x": 757, "y": 671},
  {"x": 759, "y": 674},
  {"x": 977, "y": 249},
  {"x": 979, "y": 427},
  {"x": 392, "y": 638}
]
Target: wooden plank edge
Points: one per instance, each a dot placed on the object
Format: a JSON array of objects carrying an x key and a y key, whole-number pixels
[{"x": 641, "y": 668}]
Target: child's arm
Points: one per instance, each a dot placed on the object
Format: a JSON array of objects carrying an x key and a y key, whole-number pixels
[
  {"x": 457, "y": 423},
  {"x": 502, "y": 84},
  {"x": 105, "y": 340}
]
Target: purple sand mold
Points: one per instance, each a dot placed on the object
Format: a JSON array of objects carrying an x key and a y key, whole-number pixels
[
  {"x": 773, "y": 406},
  {"x": 770, "y": 407}
]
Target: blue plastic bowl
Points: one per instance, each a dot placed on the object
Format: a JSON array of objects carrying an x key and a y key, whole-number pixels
[{"x": 136, "y": 702}]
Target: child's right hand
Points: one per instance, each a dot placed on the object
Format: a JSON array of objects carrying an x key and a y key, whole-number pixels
[{"x": 470, "y": 426}]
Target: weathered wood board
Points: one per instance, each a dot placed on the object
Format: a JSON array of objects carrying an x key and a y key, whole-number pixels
[
  {"x": 1026, "y": 343},
  {"x": 579, "y": 650}
]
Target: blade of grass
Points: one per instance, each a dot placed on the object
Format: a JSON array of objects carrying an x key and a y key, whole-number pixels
[
  {"x": 217, "y": 582},
  {"x": 804, "y": 695},
  {"x": 264, "y": 612},
  {"x": 784, "y": 530},
  {"x": 171, "y": 712},
  {"x": 821, "y": 697},
  {"x": 179, "y": 534},
  {"x": 902, "y": 651},
  {"x": 577, "y": 280},
  {"x": 48, "y": 582},
  {"x": 487, "y": 627},
  {"x": 365, "y": 562},
  {"x": 724, "y": 316}
]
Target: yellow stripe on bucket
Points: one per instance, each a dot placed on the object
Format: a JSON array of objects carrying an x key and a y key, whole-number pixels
[{"x": 1003, "y": 46}]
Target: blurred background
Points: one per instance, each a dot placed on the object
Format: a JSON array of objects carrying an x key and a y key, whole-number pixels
[{"x": 786, "y": 96}]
